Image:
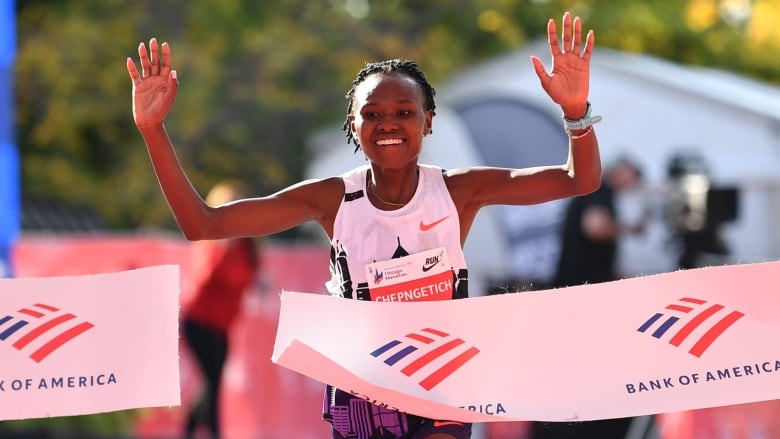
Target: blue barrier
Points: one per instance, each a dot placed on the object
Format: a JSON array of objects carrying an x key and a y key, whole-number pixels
[{"x": 10, "y": 199}]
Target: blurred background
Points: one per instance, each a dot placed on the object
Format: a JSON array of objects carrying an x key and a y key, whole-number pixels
[{"x": 688, "y": 89}]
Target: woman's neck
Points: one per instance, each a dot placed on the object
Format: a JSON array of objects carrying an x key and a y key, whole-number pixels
[{"x": 392, "y": 189}]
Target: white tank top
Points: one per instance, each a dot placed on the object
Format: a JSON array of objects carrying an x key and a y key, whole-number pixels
[{"x": 363, "y": 234}]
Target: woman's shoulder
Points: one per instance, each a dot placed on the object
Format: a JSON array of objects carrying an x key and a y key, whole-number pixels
[
  {"x": 336, "y": 181},
  {"x": 327, "y": 187},
  {"x": 431, "y": 168},
  {"x": 353, "y": 173}
]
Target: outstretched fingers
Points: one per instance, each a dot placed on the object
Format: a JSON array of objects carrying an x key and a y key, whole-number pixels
[
  {"x": 552, "y": 38},
  {"x": 165, "y": 68},
  {"x": 143, "y": 56},
  {"x": 539, "y": 67},
  {"x": 155, "y": 48},
  {"x": 589, "y": 42},
  {"x": 571, "y": 36},
  {"x": 155, "y": 60},
  {"x": 133, "y": 71},
  {"x": 576, "y": 43},
  {"x": 568, "y": 45}
]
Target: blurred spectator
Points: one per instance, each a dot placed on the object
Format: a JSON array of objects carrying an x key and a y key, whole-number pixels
[
  {"x": 591, "y": 230},
  {"x": 224, "y": 271}
]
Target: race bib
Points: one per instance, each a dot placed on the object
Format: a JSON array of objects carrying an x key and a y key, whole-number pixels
[{"x": 422, "y": 276}]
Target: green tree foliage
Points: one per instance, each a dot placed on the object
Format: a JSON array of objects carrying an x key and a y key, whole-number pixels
[{"x": 257, "y": 77}]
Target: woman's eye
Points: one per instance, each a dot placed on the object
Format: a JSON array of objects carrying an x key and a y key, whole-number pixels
[
  {"x": 404, "y": 113},
  {"x": 370, "y": 115}
]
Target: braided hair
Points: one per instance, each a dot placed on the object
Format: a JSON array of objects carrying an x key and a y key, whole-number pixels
[{"x": 409, "y": 69}]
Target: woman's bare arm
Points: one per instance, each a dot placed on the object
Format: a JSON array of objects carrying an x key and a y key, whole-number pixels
[{"x": 154, "y": 92}]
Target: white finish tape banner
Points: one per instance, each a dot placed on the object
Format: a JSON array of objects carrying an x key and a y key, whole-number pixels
[
  {"x": 89, "y": 344},
  {"x": 676, "y": 341}
]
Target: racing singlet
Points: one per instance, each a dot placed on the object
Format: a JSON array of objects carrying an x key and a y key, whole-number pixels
[
  {"x": 409, "y": 254},
  {"x": 363, "y": 234}
]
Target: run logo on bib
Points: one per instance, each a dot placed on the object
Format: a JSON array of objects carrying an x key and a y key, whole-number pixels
[{"x": 422, "y": 276}]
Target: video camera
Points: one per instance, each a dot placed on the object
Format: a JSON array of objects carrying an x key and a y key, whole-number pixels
[{"x": 696, "y": 208}]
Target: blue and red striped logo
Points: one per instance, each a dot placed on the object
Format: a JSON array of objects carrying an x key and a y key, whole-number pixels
[
  {"x": 426, "y": 349},
  {"x": 687, "y": 315},
  {"x": 40, "y": 329}
]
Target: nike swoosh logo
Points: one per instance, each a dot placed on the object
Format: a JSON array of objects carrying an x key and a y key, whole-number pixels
[
  {"x": 425, "y": 227},
  {"x": 428, "y": 267},
  {"x": 445, "y": 423}
]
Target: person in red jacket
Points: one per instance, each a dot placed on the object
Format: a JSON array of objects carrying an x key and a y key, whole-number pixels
[{"x": 224, "y": 270}]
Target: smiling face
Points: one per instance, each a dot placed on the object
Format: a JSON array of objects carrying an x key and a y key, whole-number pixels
[{"x": 389, "y": 119}]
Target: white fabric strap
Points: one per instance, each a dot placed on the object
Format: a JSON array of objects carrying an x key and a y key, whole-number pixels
[{"x": 586, "y": 121}]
